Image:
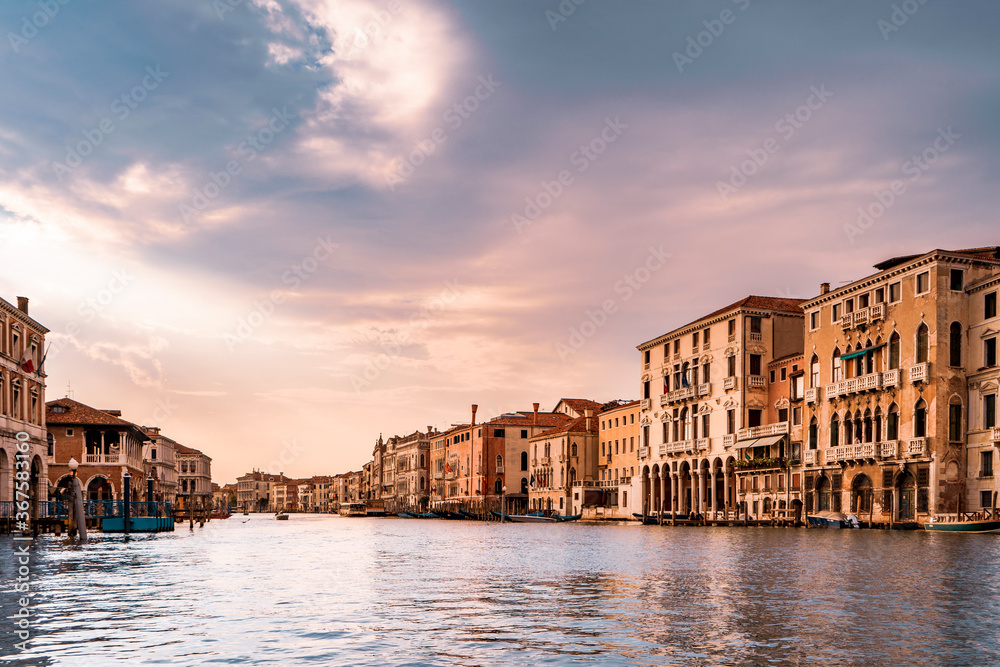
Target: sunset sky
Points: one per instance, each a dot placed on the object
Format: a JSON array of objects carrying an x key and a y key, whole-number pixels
[{"x": 279, "y": 228}]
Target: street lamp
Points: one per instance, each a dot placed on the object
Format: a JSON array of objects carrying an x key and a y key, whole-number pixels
[
  {"x": 503, "y": 504},
  {"x": 73, "y": 465}
]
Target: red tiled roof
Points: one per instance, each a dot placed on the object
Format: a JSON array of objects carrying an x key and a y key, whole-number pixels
[
  {"x": 581, "y": 404},
  {"x": 618, "y": 405},
  {"x": 578, "y": 425},
  {"x": 78, "y": 413},
  {"x": 528, "y": 419},
  {"x": 181, "y": 449}
]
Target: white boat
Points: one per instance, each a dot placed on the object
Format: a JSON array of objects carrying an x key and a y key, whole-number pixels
[{"x": 281, "y": 516}]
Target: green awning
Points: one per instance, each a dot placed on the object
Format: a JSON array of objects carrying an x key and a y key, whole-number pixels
[{"x": 858, "y": 353}]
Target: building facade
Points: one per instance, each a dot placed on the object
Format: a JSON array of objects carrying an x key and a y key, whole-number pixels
[
  {"x": 896, "y": 358},
  {"x": 194, "y": 471},
  {"x": 619, "y": 458},
  {"x": 158, "y": 454},
  {"x": 22, "y": 401},
  {"x": 704, "y": 397}
]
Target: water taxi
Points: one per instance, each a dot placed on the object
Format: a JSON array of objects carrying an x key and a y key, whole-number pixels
[{"x": 986, "y": 521}]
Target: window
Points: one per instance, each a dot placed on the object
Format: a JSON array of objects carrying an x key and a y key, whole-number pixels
[
  {"x": 955, "y": 344},
  {"x": 645, "y": 359},
  {"x": 706, "y": 337},
  {"x": 524, "y": 433},
  {"x": 957, "y": 280},
  {"x": 677, "y": 346},
  {"x": 835, "y": 365},
  {"x": 797, "y": 416},
  {"x": 848, "y": 306},
  {"x": 990, "y": 305},
  {"x": 784, "y": 374},
  {"x": 754, "y": 324},
  {"x": 892, "y": 423},
  {"x": 895, "y": 292},
  {"x": 863, "y": 300},
  {"x": 798, "y": 387},
  {"x": 645, "y": 389},
  {"x": 955, "y": 422},
  {"x": 835, "y": 431},
  {"x": 920, "y": 420},
  {"x": 152, "y": 454},
  {"x": 704, "y": 426},
  {"x": 986, "y": 464},
  {"x": 783, "y": 415},
  {"x": 814, "y": 320},
  {"x": 498, "y": 433},
  {"x": 880, "y": 295},
  {"x": 771, "y": 376},
  {"x": 986, "y": 499},
  {"x": 894, "y": 351},
  {"x": 813, "y": 434},
  {"x": 923, "y": 340},
  {"x": 814, "y": 372},
  {"x": 732, "y": 327},
  {"x": 706, "y": 370},
  {"x": 731, "y": 366},
  {"x": 755, "y": 360},
  {"x": 835, "y": 313},
  {"x": 694, "y": 342},
  {"x": 923, "y": 282},
  {"x": 990, "y": 352},
  {"x": 989, "y": 411},
  {"x": 730, "y": 421},
  {"x": 753, "y": 418}
]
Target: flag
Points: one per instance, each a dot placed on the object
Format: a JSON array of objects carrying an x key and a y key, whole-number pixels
[
  {"x": 45, "y": 354},
  {"x": 27, "y": 363},
  {"x": 684, "y": 380},
  {"x": 666, "y": 384},
  {"x": 532, "y": 480},
  {"x": 447, "y": 468}
]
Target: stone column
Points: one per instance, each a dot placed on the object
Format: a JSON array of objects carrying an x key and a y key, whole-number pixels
[
  {"x": 725, "y": 487},
  {"x": 712, "y": 500},
  {"x": 696, "y": 491}
]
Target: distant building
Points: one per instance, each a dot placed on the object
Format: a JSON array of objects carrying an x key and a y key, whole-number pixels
[
  {"x": 564, "y": 463},
  {"x": 253, "y": 490},
  {"x": 195, "y": 473},
  {"x": 158, "y": 455},
  {"x": 22, "y": 400},
  {"x": 618, "y": 459},
  {"x": 412, "y": 467}
]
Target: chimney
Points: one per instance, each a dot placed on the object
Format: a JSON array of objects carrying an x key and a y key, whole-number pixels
[
  {"x": 430, "y": 429},
  {"x": 22, "y": 304},
  {"x": 535, "y": 418},
  {"x": 588, "y": 413},
  {"x": 824, "y": 288},
  {"x": 474, "y": 408}
]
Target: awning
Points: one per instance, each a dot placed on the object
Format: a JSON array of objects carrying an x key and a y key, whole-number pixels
[
  {"x": 759, "y": 442},
  {"x": 858, "y": 353}
]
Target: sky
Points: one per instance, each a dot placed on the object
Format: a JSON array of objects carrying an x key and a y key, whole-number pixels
[{"x": 280, "y": 228}]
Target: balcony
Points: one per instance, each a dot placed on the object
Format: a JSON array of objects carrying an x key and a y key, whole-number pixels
[
  {"x": 869, "y": 382},
  {"x": 916, "y": 447},
  {"x": 863, "y": 316},
  {"x": 499, "y": 470},
  {"x": 681, "y": 446},
  {"x": 888, "y": 449},
  {"x": 546, "y": 460},
  {"x": 890, "y": 378},
  {"x": 756, "y": 337},
  {"x": 780, "y": 428},
  {"x": 644, "y": 452},
  {"x": 729, "y": 440},
  {"x": 851, "y": 452},
  {"x": 681, "y": 394},
  {"x": 112, "y": 459},
  {"x": 920, "y": 372},
  {"x": 664, "y": 399},
  {"x": 812, "y": 395},
  {"x": 664, "y": 448},
  {"x": 729, "y": 383},
  {"x": 995, "y": 435},
  {"x": 645, "y": 404},
  {"x": 758, "y": 464},
  {"x": 701, "y": 445},
  {"x": 810, "y": 456},
  {"x": 756, "y": 382}
]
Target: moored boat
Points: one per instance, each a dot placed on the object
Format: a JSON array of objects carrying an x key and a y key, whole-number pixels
[
  {"x": 353, "y": 509},
  {"x": 537, "y": 518},
  {"x": 281, "y": 516},
  {"x": 986, "y": 521},
  {"x": 833, "y": 520}
]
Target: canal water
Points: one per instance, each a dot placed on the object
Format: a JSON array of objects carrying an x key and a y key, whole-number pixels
[{"x": 325, "y": 590}]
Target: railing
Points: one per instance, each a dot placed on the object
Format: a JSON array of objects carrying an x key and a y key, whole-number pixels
[
  {"x": 664, "y": 399},
  {"x": 645, "y": 404},
  {"x": 916, "y": 447},
  {"x": 705, "y": 388},
  {"x": 701, "y": 445},
  {"x": 729, "y": 383},
  {"x": 890, "y": 378},
  {"x": 500, "y": 470},
  {"x": 888, "y": 449},
  {"x": 863, "y": 316},
  {"x": 113, "y": 459},
  {"x": 732, "y": 338},
  {"x": 680, "y": 394},
  {"x": 682, "y": 446},
  {"x": 809, "y": 456},
  {"x": 995, "y": 434},
  {"x": 546, "y": 460},
  {"x": 755, "y": 337},
  {"x": 851, "y": 452},
  {"x": 812, "y": 395},
  {"x": 869, "y": 382},
  {"x": 644, "y": 452},
  {"x": 756, "y": 382},
  {"x": 920, "y": 372},
  {"x": 664, "y": 448},
  {"x": 729, "y": 440},
  {"x": 780, "y": 428}
]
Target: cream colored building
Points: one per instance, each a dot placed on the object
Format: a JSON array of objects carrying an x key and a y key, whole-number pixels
[
  {"x": 22, "y": 401},
  {"x": 159, "y": 456},
  {"x": 984, "y": 390},
  {"x": 564, "y": 463},
  {"x": 194, "y": 471},
  {"x": 895, "y": 358},
  {"x": 704, "y": 399},
  {"x": 412, "y": 467}
]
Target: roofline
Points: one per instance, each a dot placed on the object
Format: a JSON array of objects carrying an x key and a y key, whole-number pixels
[
  {"x": 709, "y": 319},
  {"x": 14, "y": 310}
]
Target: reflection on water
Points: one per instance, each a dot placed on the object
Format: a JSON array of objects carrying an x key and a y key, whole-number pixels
[{"x": 326, "y": 590}]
